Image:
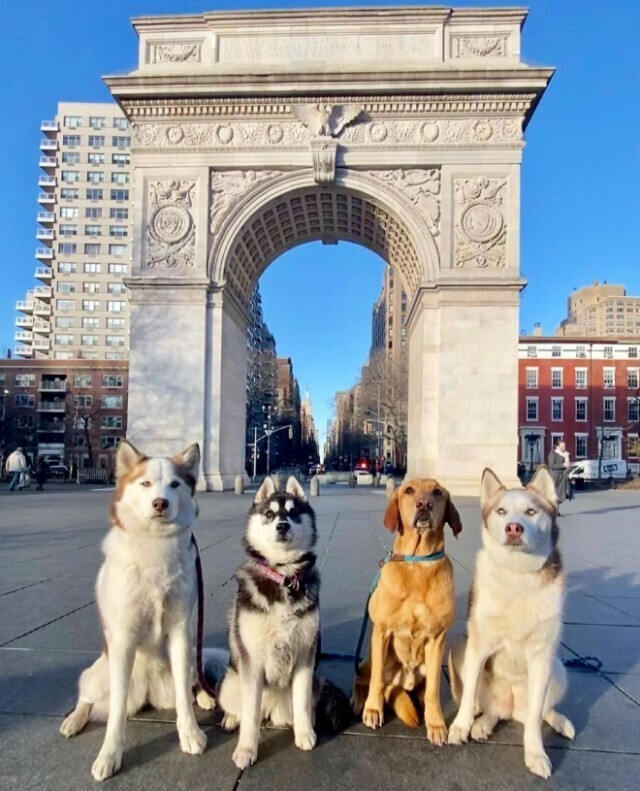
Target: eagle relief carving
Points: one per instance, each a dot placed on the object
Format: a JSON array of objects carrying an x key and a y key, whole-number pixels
[{"x": 325, "y": 122}]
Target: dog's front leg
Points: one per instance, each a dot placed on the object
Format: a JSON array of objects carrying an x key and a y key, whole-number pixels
[
  {"x": 538, "y": 674},
  {"x": 433, "y": 717},
  {"x": 122, "y": 652},
  {"x": 192, "y": 738},
  {"x": 251, "y": 687},
  {"x": 302, "y": 692},
  {"x": 373, "y": 714},
  {"x": 474, "y": 658}
]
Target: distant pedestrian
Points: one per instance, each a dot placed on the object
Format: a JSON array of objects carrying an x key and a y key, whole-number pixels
[
  {"x": 558, "y": 466},
  {"x": 42, "y": 471},
  {"x": 16, "y": 465}
]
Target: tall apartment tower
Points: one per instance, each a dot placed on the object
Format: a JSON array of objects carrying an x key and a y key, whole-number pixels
[
  {"x": 81, "y": 309},
  {"x": 601, "y": 310},
  {"x": 389, "y": 316}
]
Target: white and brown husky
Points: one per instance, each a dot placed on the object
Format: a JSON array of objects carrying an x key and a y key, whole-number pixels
[
  {"x": 146, "y": 591},
  {"x": 508, "y": 666}
]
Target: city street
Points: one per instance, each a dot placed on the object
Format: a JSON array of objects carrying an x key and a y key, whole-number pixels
[{"x": 49, "y": 632}]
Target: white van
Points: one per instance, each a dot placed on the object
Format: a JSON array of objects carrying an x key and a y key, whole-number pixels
[{"x": 587, "y": 470}]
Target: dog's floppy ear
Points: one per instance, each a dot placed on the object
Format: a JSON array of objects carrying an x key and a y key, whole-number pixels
[
  {"x": 489, "y": 487},
  {"x": 127, "y": 457},
  {"x": 391, "y": 518},
  {"x": 293, "y": 487},
  {"x": 265, "y": 491},
  {"x": 452, "y": 517},
  {"x": 189, "y": 460},
  {"x": 542, "y": 482}
]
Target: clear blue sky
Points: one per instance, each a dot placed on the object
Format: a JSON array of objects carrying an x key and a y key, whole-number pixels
[{"x": 579, "y": 189}]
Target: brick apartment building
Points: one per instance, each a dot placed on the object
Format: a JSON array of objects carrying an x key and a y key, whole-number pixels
[
  {"x": 579, "y": 389},
  {"x": 72, "y": 409}
]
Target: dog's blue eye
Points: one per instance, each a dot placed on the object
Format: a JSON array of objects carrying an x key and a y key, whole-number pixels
[
  {"x": 530, "y": 511},
  {"x": 501, "y": 511},
  {"x": 145, "y": 483},
  {"x": 174, "y": 484}
]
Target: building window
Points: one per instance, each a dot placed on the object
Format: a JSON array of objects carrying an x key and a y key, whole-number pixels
[
  {"x": 90, "y": 304},
  {"x": 532, "y": 408},
  {"x": 111, "y": 421},
  {"x": 91, "y": 287},
  {"x": 120, "y": 195},
  {"x": 68, "y": 230},
  {"x": 89, "y": 340},
  {"x": 94, "y": 194},
  {"x": 95, "y": 176},
  {"x": 68, "y": 212},
  {"x": 25, "y": 380},
  {"x": 116, "y": 324},
  {"x": 120, "y": 160},
  {"x": 556, "y": 409},
  {"x": 581, "y": 378},
  {"x": 115, "y": 340},
  {"x": 82, "y": 401},
  {"x": 107, "y": 443},
  {"x": 92, "y": 249},
  {"x": 118, "y": 213},
  {"x": 609, "y": 377},
  {"x": 96, "y": 141},
  {"x": 118, "y": 230},
  {"x": 608, "y": 352},
  {"x": 63, "y": 355},
  {"x": 90, "y": 322},
  {"x": 121, "y": 142},
  {"x": 581, "y": 446},
  {"x": 69, "y": 193},
  {"x": 581, "y": 409},
  {"x": 632, "y": 352},
  {"x": 532, "y": 351},
  {"x": 97, "y": 122},
  {"x": 71, "y": 140},
  {"x": 93, "y": 213},
  {"x": 82, "y": 422},
  {"x": 111, "y": 402},
  {"x": 119, "y": 178},
  {"x": 24, "y": 400},
  {"x": 556, "y": 377},
  {"x": 94, "y": 158},
  {"x": 581, "y": 351},
  {"x": 91, "y": 268},
  {"x": 116, "y": 288},
  {"x": 69, "y": 176},
  {"x": 633, "y": 378},
  {"x": 23, "y": 421},
  {"x": 65, "y": 304},
  {"x": 64, "y": 287},
  {"x": 70, "y": 157},
  {"x": 609, "y": 409},
  {"x": 82, "y": 380},
  {"x": 117, "y": 269},
  {"x": 112, "y": 380},
  {"x": 93, "y": 230},
  {"x": 115, "y": 306},
  {"x": 65, "y": 322},
  {"x": 556, "y": 351},
  {"x": 72, "y": 121},
  {"x": 532, "y": 378},
  {"x": 67, "y": 248},
  {"x": 633, "y": 410}
]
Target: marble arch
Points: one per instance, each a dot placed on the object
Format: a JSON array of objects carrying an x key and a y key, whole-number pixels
[{"x": 397, "y": 128}]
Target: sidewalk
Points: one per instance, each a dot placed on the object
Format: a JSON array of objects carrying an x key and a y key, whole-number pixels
[{"x": 49, "y": 632}]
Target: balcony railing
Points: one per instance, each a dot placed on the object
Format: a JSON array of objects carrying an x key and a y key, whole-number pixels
[
  {"x": 41, "y": 327},
  {"x": 49, "y": 385},
  {"x": 40, "y": 309},
  {"x": 47, "y": 181},
  {"x": 25, "y": 306},
  {"x": 43, "y": 292},
  {"x": 49, "y": 125},
  {"x": 52, "y": 426},
  {"x": 52, "y": 406},
  {"x": 46, "y": 144},
  {"x": 47, "y": 162},
  {"x": 23, "y": 351},
  {"x": 44, "y": 252},
  {"x": 23, "y": 335},
  {"x": 43, "y": 273},
  {"x": 46, "y": 216},
  {"x": 46, "y": 197},
  {"x": 45, "y": 233},
  {"x": 24, "y": 321},
  {"x": 41, "y": 343}
]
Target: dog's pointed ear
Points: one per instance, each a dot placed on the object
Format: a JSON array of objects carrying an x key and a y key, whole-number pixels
[
  {"x": 127, "y": 457},
  {"x": 452, "y": 517},
  {"x": 542, "y": 482},
  {"x": 189, "y": 460},
  {"x": 489, "y": 487},
  {"x": 294, "y": 488},
  {"x": 265, "y": 491},
  {"x": 391, "y": 517}
]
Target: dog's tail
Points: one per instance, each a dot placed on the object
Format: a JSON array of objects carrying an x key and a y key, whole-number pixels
[
  {"x": 455, "y": 660},
  {"x": 333, "y": 711},
  {"x": 401, "y": 703}
]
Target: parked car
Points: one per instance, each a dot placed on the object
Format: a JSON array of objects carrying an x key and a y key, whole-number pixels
[
  {"x": 316, "y": 469},
  {"x": 58, "y": 470}
]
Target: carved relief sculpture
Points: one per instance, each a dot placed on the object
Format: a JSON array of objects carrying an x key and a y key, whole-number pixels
[
  {"x": 228, "y": 188},
  {"x": 179, "y": 52},
  {"x": 421, "y": 187},
  {"x": 171, "y": 230},
  {"x": 324, "y": 122},
  {"x": 480, "y": 228}
]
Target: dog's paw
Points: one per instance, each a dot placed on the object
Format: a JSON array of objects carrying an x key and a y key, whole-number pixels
[
  {"x": 106, "y": 764},
  {"x": 305, "y": 740},
  {"x": 373, "y": 718},
  {"x": 357, "y": 704},
  {"x": 437, "y": 734},
  {"x": 205, "y": 701},
  {"x": 458, "y": 734},
  {"x": 192, "y": 740},
  {"x": 72, "y": 725},
  {"x": 561, "y": 724},
  {"x": 481, "y": 729},
  {"x": 230, "y": 722},
  {"x": 539, "y": 764},
  {"x": 245, "y": 756}
]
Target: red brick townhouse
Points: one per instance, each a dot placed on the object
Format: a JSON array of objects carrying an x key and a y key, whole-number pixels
[{"x": 584, "y": 390}]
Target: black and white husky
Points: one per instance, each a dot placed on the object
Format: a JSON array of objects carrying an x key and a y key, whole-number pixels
[{"x": 274, "y": 626}]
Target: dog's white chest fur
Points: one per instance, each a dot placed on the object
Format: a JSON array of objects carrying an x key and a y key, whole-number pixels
[{"x": 144, "y": 580}]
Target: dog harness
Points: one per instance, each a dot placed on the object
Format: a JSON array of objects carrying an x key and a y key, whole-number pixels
[
  {"x": 293, "y": 583},
  {"x": 391, "y": 557}
]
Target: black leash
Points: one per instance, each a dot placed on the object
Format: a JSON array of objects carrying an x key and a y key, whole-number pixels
[{"x": 200, "y": 633}]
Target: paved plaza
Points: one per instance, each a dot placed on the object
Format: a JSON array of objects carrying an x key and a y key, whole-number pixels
[{"x": 49, "y": 632}]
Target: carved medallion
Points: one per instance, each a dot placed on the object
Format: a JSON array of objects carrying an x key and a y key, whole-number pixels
[
  {"x": 481, "y": 231},
  {"x": 171, "y": 230}
]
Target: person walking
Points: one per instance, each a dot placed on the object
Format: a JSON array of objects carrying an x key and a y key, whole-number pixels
[
  {"x": 558, "y": 466},
  {"x": 42, "y": 471},
  {"x": 16, "y": 465}
]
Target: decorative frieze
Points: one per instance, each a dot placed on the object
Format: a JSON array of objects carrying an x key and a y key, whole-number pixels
[
  {"x": 170, "y": 233},
  {"x": 228, "y": 187},
  {"x": 479, "y": 46},
  {"x": 176, "y": 52},
  {"x": 480, "y": 227},
  {"x": 421, "y": 187},
  {"x": 326, "y": 120}
]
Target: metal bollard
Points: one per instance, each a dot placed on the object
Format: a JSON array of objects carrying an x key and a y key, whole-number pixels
[
  {"x": 239, "y": 484},
  {"x": 314, "y": 487},
  {"x": 391, "y": 486}
]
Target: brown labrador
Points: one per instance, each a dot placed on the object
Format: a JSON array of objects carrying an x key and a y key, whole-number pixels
[{"x": 411, "y": 610}]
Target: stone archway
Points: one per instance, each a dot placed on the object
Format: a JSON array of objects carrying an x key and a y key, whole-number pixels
[{"x": 417, "y": 159}]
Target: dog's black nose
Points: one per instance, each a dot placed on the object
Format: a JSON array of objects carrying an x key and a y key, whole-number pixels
[
  {"x": 282, "y": 528},
  {"x": 160, "y": 504},
  {"x": 514, "y": 529}
]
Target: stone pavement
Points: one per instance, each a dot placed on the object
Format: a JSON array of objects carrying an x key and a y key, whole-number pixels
[{"x": 49, "y": 556}]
